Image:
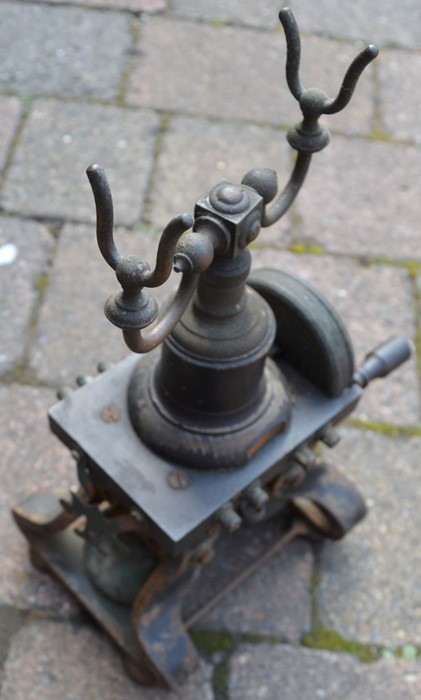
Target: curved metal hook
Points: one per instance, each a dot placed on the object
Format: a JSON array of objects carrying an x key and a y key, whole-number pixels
[
  {"x": 104, "y": 214},
  {"x": 327, "y": 105},
  {"x": 292, "y": 36},
  {"x": 105, "y": 219},
  {"x": 350, "y": 80},
  {"x": 166, "y": 250}
]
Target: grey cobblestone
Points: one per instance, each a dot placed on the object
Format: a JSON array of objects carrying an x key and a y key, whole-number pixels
[
  {"x": 149, "y": 6},
  {"x": 381, "y": 22},
  {"x": 61, "y": 50},
  {"x": 254, "y": 13},
  {"x": 230, "y": 83},
  {"x": 358, "y": 200},
  {"x": 49, "y": 661},
  {"x": 24, "y": 249},
  {"x": 270, "y": 672},
  {"x": 369, "y": 583},
  {"x": 10, "y": 110},
  {"x": 398, "y": 73},
  {"x": 31, "y": 458},
  {"x": 66, "y": 138}
]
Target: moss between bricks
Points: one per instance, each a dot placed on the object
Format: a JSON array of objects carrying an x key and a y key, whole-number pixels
[
  {"x": 223, "y": 644},
  {"x": 330, "y": 640},
  {"x": 210, "y": 641},
  {"x": 41, "y": 283},
  {"x": 379, "y": 134},
  {"x": 384, "y": 428},
  {"x": 303, "y": 247}
]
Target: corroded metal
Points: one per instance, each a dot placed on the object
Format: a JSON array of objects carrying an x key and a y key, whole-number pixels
[
  {"x": 212, "y": 397},
  {"x": 216, "y": 429}
]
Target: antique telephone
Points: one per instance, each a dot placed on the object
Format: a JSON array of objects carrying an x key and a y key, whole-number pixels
[{"x": 215, "y": 428}]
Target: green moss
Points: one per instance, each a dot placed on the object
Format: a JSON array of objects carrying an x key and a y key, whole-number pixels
[
  {"x": 41, "y": 283},
  {"x": 384, "y": 428},
  {"x": 209, "y": 642},
  {"x": 330, "y": 640},
  {"x": 302, "y": 247},
  {"x": 411, "y": 266},
  {"x": 218, "y": 22},
  {"x": 414, "y": 268},
  {"x": 220, "y": 678},
  {"x": 379, "y": 134}
]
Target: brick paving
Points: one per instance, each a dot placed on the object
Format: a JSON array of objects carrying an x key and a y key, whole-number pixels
[{"x": 170, "y": 97}]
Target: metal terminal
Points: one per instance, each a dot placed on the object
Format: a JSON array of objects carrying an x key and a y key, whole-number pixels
[
  {"x": 256, "y": 495},
  {"x": 64, "y": 392},
  {"x": 329, "y": 435},
  {"x": 83, "y": 379},
  {"x": 291, "y": 477},
  {"x": 103, "y": 366},
  {"x": 228, "y": 517},
  {"x": 305, "y": 456}
]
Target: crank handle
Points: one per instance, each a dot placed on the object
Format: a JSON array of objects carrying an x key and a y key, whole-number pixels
[{"x": 383, "y": 360}]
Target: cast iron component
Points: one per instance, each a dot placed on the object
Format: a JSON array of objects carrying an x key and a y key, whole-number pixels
[{"x": 214, "y": 430}]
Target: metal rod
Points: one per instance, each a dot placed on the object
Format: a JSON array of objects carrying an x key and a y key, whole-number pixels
[
  {"x": 170, "y": 315},
  {"x": 104, "y": 214},
  {"x": 297, "y": 529},
  {"x": 284, "y": 200},
  {"x": 350, "y": 80}
]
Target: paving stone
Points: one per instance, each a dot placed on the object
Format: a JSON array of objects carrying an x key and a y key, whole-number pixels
[
  {"x": 253, "y": 13},
  {"x": 361, "y": 198},
  {"x": 196, "y": 153},
  {"x": 268, "y": 672},
  {"x": 11, "y": 619},
  {"x": 66, "y": 138},
  {"x": 149, "y": 6},
  {"x": 73, "y": 333},
  {"x": 369, "y": 583},
  {"x": 213, "y": 74},
  {"x": 51, "y": 661},
  {"x": 375, "y": 303},
  {"x": 400, "y": 94},
  {"x": 31, "y": 459},
  {"x": 62, "y": 50},
  {"x": 10, "y": 110},
  {"x": 382, "y": 22},
  {"x": 24, "y": 251},
  {"x": 274, "y": 601}
]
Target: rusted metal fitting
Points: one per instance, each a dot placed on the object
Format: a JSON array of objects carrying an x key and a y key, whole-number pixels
[
  {"x": 329, "y": 435},
  {"x": 256, "y": 495},
  {"x": 305, "y": 456},
  {"x": 228, "y": 517}
]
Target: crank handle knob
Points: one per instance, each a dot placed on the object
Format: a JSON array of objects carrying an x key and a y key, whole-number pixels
[{"x": 383, "y": 360}]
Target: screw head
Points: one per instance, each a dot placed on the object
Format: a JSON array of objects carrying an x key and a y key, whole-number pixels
[
  {"x": 110, "y": 414},
  {"x": 178, "y": 480}
]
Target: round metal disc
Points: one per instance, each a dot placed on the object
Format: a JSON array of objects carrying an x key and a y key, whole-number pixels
[{"x": 310, "y": 335}]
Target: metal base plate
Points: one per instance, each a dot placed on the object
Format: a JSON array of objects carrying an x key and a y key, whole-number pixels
[
  {"x": 62, "y": 554},
  {"x": 178, "y": 501}
]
